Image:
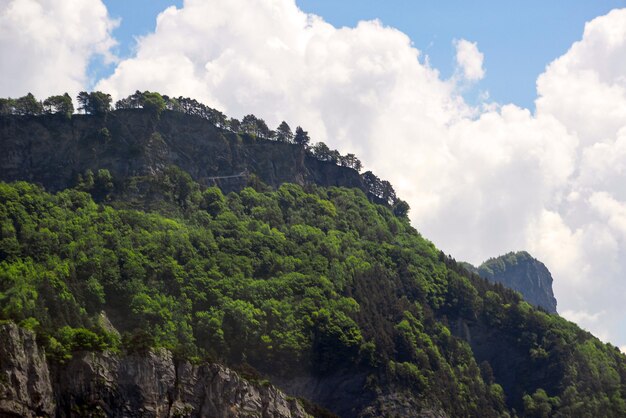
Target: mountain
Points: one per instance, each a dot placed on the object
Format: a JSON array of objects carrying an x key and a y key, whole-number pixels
[
  {"x": 131, "y": 260},
  {"x": 108, "y": 384},
  {"x": 520, "y": 271},
  {"x": 52, "y": 150}
]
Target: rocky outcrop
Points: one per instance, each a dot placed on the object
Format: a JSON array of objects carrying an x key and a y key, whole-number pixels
[
  {"x": 400, "y": 404},
  {"x": 25, "y": 388},
  {"x": 106, "y": 384},
  {"x": 51, "y": 150},
  {"x": 520, "y": 271}
]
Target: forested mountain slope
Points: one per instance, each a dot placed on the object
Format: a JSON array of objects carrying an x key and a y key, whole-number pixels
[
  {"x": 322, "y": 291},
  {"x": 315, "y": 288}
]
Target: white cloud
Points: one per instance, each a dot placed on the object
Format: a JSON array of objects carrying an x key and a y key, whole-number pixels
[
  {"x": 582, "y": 316},
  {"x": 46, "y": 45},
  {"x": 548, "y": 232},
  {"x": 480, "y": 181},
  {"x": 469, "y": 60},
  {"x": 610, "y": 210},
  {"x": 585, "y": 90},
  {"x": 586, "y": 87}
]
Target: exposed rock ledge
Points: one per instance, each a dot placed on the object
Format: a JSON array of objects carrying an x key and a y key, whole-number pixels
[{"x": 105, "y": 384}]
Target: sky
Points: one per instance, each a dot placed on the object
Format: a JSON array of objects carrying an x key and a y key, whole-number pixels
[
  {"x": 502, "y": 124},
  {"x": 516, "y": 55}
]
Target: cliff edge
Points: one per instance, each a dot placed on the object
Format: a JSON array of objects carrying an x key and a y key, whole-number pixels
[{"x": 96, "y": 384}]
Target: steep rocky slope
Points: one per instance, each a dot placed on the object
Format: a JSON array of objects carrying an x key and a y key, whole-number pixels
[
  {"x": 520, "y": 271},
  {"x": 52, "y": 151},
  {"x": 95, "y": 384}
]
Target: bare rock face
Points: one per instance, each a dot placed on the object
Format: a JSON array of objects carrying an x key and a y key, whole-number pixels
[
  {"x": 52, "y": 151},
  {"x": 225, "y": 394},
  {"x": 25, "y": 388},
  {"x": 110, "y": 385},
  {"x": 520, "y": 271},
  {"x": 398, "y": 404}
]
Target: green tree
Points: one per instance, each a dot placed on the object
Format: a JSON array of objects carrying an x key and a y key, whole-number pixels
[
  {"x": 234, "y": 125},
  {"x": 301, "y": 137},
  {"x": 262, "y": 129},
  {"x": 213, "y": 201},
  {"x": 388, "y": 194},
  {"x": 539, "y": 405},
  {"x": 103, "y": 184},
  {"x": 401, "y": 208},
  {"x": 249, "y": 124},
  {"x": 7, "y": 106},
  {"x": 134, "y": 101},
  {"x": 28, "y": 105},
  {"x": 372, "y": 183},
  {"x": 172, "y": 104},
  {"x": 153, "y": 102},
  {"x": 94, "y": 103},
  {"x": 283, "y": 132},
  {"x": 322, "y": 152},
  {"x": 61, "y": 105},
  {"x": 350, "y": 160}
]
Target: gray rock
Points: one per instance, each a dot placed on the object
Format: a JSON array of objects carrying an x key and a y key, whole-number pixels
[
  {"x": 110, "y": 385},
  {"x": 520, "y": 271},
  {"x": 52, "y": 151},
  {"x": 25, "y": 388}
]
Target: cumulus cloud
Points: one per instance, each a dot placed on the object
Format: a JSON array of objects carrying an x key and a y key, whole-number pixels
[
  {"x": 585, "y": 90},
  {"x": 46, "y": 45},
  {"x": 586, "y": 87},
  {"x": 469, "y": 60},
  {"x": 480, "y": 181},
  {"x": 270, "y": 58}
]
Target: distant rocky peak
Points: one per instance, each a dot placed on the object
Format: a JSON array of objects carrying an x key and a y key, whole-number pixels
[{"x": 521, "y": 272}]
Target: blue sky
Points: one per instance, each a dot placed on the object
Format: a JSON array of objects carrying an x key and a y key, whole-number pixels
[{"x": 518, "y": 38}]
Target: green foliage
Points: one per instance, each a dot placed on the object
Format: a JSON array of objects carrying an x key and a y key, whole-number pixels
[
  {"x": 100, "y": 185},
  {"x": 350, "y": 160},
  {"x": 540, "y": 405},
  {"x": 252, "y": 125},
  {"x": 287, "y": 281},
  {"x": 384, "y": 192},
  {"x": 27, "y": 105},
  {"x": 301, "y": 137},
  {"x": 283, "y": 133},
  {"x": 59, "y": 105},
  {"x": 401, "y": 209},
  {"x": 7, "y": 106},
  {"x": 95, "y": 103},
  {"x": 323, "y": 153},
  {"x": 151, "y": 101}
]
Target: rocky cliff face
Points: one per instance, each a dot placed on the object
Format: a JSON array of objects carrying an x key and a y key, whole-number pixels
[
  {"x": 96, "y": 384},
  {"x": 25, "y": 386},
  {"x": 52, "y": 151},
  {"x": 520, "y": 271},
  {"x": 105, "y": 384}
]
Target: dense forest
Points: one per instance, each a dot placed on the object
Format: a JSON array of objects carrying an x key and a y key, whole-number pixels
[
  {"x": 292, "y": 281},
  {"x": 285, "y": 280}
]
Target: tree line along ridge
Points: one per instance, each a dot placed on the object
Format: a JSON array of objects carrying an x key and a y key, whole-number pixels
[{"x": 99, "y": 103}]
